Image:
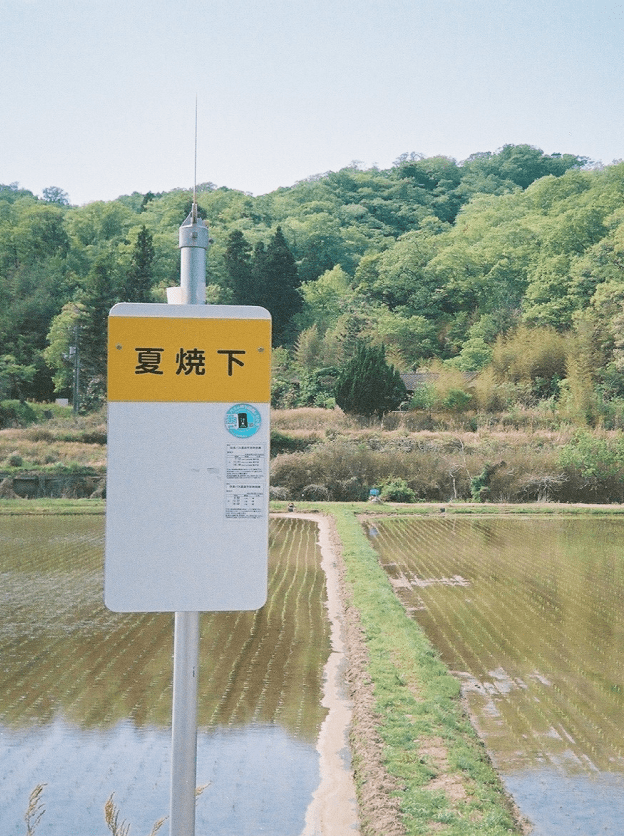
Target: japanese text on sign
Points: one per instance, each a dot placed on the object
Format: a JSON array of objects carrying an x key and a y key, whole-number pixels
[
  {"x": 153, "y": 359},
  {"x": 150, "y": 360},
  {"x": 244, "y": 488}
]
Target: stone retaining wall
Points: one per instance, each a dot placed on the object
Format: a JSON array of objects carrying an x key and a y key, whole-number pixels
[{"x": 33, "y": 485}]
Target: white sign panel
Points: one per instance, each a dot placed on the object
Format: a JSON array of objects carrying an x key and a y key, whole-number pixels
[{"x": 187, "y": 480}]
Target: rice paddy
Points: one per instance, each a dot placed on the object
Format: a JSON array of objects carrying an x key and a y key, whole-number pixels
[
  {"x": 528, "y": 614},
  {"x": 85, "y": 694}
]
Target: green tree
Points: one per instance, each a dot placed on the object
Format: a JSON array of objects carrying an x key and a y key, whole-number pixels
[
  {"x": 368, "y": 385},
  {"x": 100, "y": 294},
  {"x": 259, "y": 291},
  {"x": 138, "y": 285},
  {"x": 54, "y": 194},
  {"x": 325, "y": 299},
  {"x": 238, "y": 265},
  {"x": 519, "y": 165},
  {"x": 409, "y": 339},
  {"x": 63, "y": 338},
  {"x": 40, "y": 234},
  {"x": 13, "y": 376},
  {"x": 277, "y": 281}
]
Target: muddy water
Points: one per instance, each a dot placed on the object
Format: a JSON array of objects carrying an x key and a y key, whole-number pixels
[
  {"x": 85, "y": 694},
  {"x": 529, "y": 614}
]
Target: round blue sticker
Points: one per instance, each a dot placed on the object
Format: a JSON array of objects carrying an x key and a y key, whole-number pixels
[{"x": 242, "y": 420}]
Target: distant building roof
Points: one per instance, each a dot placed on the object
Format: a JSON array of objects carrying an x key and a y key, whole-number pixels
[{"x": 413, "y": 380}]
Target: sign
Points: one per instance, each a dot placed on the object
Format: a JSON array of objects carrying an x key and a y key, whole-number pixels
[
  {"x": 188, "y": 458},
  {"x": 243, "y": 420},
  {"x": 196, "y": 359}
]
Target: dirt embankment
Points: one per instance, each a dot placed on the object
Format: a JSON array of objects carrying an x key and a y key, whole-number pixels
[
  {"x": 350, "y": 746},
  {"x": 351, "y": 722}
]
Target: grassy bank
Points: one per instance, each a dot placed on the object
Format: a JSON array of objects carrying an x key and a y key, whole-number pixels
[
  {"x": 52, "y": 506},
  {"x": 444, "y": 781},
  {"x": 490, "y": 464}
]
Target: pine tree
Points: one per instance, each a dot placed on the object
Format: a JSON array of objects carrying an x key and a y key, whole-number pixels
[
  {"x": 138, "y": 286},
  {"x": 239, "y": 268},
  {"x": 278, "y": 282},
  {"x": 368, "y": 385}
]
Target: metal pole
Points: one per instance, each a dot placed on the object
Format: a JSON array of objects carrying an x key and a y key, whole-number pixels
[
  {"x": 194, "y": 241},
  {"x": 184, "y": 724},
  {"x": 76, "y": 397}
]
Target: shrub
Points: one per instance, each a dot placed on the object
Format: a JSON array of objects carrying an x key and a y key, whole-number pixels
[
  {"x": 594, "y": 466},
  {"x": 495, "y": 467},
  {"x": 318, "y": 493},
  {"x": 15, "y": 460},
  {"x": 528, "y": 354},
  {"x": 284, "y": 443},
  {"x": 397, "y": 490},
  {"x": 348, "y": 469},
  {"x": 423, "y": 397},
  {"x": 368, "y": 385},
  {"x": 279, "y": 494},
  {"x": 449, "y": 389},
  {"x": 456, "y": 400},
  {"x": 16, "y": 414},
  {"x": 480, "y": 488}
]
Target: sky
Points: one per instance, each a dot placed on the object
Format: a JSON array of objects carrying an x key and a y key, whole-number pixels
[{"x": 97, "y": 97}]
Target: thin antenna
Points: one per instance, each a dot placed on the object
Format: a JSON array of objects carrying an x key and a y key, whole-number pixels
[{"x": 195, "y": 170}]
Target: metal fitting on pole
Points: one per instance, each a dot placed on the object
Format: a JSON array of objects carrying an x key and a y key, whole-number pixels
[{"x": 194, "y": 240}]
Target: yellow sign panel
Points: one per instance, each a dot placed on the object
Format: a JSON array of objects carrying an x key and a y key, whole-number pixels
[{"x": 189, "y": 359}]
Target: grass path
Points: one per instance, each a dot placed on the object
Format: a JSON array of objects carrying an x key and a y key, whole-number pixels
[{"x": 437, "y": 769}]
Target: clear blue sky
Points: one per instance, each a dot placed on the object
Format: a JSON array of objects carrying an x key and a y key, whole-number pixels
[{"x": 98, "y": 96}]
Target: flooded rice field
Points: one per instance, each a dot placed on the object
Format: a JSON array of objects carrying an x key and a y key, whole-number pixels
[
  {"x": 529, "y": 614},
  {"x": 85, "y": 694}
]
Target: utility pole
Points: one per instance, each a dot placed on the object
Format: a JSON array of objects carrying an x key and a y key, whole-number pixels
[{"x": 76, "y": 378}]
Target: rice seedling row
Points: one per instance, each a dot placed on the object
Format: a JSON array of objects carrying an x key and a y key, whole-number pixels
[
  {"x": 528, "y": 613},
  {"x": 72, "y": 667}
]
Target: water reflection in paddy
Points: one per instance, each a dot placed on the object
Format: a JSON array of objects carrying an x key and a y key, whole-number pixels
[
  {"x": 528, "y": 613},
  {"x": 261, "y": 778},
  {"x": 85, "y": 694}
]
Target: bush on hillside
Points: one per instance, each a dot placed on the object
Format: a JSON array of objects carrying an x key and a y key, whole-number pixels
[
  {"x": 16, "y": 414},
  {"x": 397, "y": 490},
  {"x": 594, "y": 467}
]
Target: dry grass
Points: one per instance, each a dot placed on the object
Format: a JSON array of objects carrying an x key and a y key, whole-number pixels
[
  {"x": 439, "y": 466},
  {"x": 325, "y": 454},
  {"x": 62, "y": 441},
  {"x": 117, "y": 828},
  {"x": 310, "y": 419},
  {"x": 39, "y": 454},
  {"x": 35, "y": 809}
]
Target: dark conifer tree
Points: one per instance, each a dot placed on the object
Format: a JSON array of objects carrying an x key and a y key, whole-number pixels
[
  {"x": 138, "y": 286},
  {"x": 238, "y": 264},
  {"x": 279, "y": 284},
  {"x": 258, "y": 295},
  {"x": 368, "y": 384}
]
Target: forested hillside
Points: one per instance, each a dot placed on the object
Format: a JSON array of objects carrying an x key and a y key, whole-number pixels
[{"x": 502, "y": 274}]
